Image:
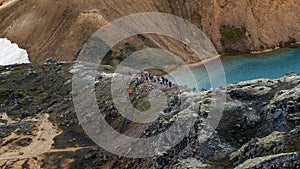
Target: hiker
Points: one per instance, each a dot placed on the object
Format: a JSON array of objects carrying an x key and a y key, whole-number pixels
[
  {"x": 142, "y": 75},
  {"x": 151, "y": 77},
  {"x": 161, "y": 81},
  {"x": 129, "y": 91},
  {"x": 137, "y": 81},
  {"x": 167, "y": 82},
  {"x": 147, "y": 76},
  {"x": 157, "y": 78},
  {"x": 170, "y": 84},
  {"x": 154, "y": 79}
]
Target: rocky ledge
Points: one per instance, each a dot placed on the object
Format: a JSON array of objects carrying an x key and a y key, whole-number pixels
[{"x": 259, "y": 127}]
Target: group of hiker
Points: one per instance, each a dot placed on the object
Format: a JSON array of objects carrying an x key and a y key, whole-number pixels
[{"x": 145, "y": 75}]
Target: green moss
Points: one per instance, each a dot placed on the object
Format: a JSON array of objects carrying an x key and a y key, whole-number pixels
[
  {"x": 295, "y": 146},
  {"x": 297, "y": 143},
  {"x": 39, "y": 70},
  {"x": 127, "y": 44},
  {"x": 266, "y": 144},
  {"x": 108, "y": 58},
  {"x": 234, "y": 135},
  {"x": 220, "y": 164},
  {"x": 288, "y": 43},
  {"x": 231, "y": 34},
  {"x": 143, "y": 105},
  {"x": 120, "y": 58},
  {"x": 141, "y": 36},
  {"x": 130, "y": 48},
  {"x": 4, "y": 95}
]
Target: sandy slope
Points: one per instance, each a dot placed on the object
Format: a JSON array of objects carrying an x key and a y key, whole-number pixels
[
  {"x": 42, "y": 140},
  {"x": 40, "y": 144}
]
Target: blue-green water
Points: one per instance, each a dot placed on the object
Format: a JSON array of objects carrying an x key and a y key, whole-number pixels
[{"x": 246, "y": 67}]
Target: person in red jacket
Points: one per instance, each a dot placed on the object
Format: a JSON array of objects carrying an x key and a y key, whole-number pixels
[{"x": 129, "y": 91}]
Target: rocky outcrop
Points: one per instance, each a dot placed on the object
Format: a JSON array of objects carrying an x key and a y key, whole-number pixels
[
  {"x": 59, "y": 29},
  {"x": 248, "y": 136},
  {"x": 259, "y": 128},
  {"x": 284, "y": 161}
]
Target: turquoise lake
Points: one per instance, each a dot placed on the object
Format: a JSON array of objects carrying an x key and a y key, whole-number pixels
[{"x": 246, "y": 67}]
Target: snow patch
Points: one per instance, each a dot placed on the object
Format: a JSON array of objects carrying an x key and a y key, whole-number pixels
[
  {"x": 109, "y": 74},
  {"x": 10, "y": 53}
]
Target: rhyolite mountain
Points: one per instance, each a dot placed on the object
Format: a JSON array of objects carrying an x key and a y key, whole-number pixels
[{"x": 60, "y": 28}]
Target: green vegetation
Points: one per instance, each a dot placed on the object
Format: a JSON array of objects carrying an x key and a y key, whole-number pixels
[
  {"x": 143, "y": 37},
  {"x": 107, "y": 60},
  {"x": 120, "y": 51},
  {"x": 230, "y": 34},
  {"x": 130, "y": 48},
  {"x": 120, "y": 58},
  {"x": 127, "y": 44},
  {"x": 232, "y": 39},
  {"x": 294, "y": 146},
  {"x": 297, "y": 143},
  {"x": 288, "y": 43},
  {"x": 113, "y": 57}
]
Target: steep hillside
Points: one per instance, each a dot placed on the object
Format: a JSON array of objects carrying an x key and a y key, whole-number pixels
[{"x": 60, "y": 28}]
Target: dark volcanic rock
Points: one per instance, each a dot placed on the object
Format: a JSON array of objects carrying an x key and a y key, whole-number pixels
[
  {"x": 24, "y": 142},
  {"x": 259, "y": 128}
]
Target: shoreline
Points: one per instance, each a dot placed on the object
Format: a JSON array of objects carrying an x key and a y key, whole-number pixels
[
  {"x": 202, "y": 62},
  {"x": 275, "y": 49},
  {"x": 265, "y": 51},
  {"x": 255, "y": 53}
]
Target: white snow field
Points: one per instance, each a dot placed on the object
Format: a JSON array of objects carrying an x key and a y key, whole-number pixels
[{"x": 10, "y": 53}]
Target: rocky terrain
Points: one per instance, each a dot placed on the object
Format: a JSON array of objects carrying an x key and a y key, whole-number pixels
[
  {"x": 260, "y": 126},
  {"x": 60, "y": 28}
]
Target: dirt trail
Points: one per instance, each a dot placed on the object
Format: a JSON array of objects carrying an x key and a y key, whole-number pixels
[{"x": 42, "y": 140}]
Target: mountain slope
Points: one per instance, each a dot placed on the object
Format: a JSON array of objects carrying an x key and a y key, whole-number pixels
[{"x": 60, "y": 28}]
